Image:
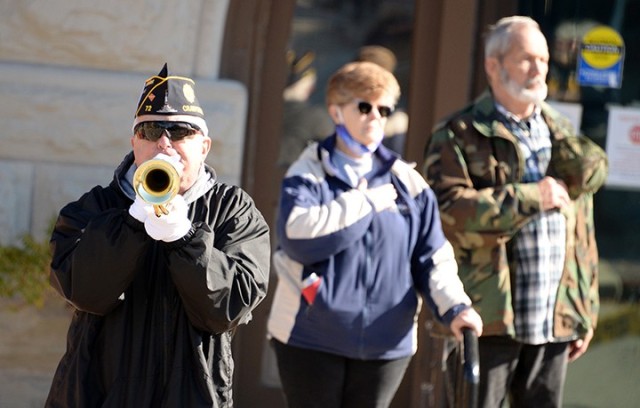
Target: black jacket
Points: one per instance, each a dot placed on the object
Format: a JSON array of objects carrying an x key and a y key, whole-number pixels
[{"x": 154, "y": 320}]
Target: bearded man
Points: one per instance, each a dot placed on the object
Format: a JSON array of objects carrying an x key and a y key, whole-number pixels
[{"x": 524, "y": 242}]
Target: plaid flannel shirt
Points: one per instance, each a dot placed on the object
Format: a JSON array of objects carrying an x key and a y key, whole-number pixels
[{"x": 539, "y": 247}]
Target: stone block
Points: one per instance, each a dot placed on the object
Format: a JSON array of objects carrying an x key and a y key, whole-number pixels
[
  {"x": 56, "y": 184},
  {"x": 119, "y": 35},
  {"x": 16, "y": 192}
]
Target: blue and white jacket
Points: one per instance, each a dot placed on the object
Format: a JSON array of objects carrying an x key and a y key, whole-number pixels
[{"x": 349, "y": 277}]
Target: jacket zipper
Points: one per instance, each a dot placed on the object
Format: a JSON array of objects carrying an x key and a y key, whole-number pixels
[{"x": 365, "y": 278}]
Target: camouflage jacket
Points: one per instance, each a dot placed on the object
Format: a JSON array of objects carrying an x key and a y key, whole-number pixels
[{"x": 475, "y": 167}]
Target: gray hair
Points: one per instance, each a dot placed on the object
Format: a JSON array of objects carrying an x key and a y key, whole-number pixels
[{"x": 500, "y": 35}]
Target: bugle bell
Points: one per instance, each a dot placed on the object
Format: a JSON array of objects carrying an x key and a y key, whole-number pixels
[{"x": 156, "y": 181}]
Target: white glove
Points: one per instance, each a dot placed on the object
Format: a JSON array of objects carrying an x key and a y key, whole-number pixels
[
  {"x": 170, "y": 227},
  {"x": 140, "y": 210},
  {"x": 173, "y": 160}
]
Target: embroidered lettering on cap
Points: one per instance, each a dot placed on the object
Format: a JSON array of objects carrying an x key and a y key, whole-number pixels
[{"x": 192, "y": 108}]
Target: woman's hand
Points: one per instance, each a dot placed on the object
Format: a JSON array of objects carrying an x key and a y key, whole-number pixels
[{"x": 467, "y": 318}]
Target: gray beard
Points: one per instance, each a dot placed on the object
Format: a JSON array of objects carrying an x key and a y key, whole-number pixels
[{"x": 521, "y": 93}]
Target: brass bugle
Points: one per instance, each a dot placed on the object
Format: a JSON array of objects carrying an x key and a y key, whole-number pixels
[{"x": 156, "y": 181}]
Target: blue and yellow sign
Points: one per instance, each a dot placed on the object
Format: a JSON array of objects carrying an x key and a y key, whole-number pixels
[{"x": 601, "y": 58}]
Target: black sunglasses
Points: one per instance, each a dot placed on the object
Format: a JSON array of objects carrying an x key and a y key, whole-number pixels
[
  {"x": 152, "y": 131},
  {"x": 365, "y": 108}
]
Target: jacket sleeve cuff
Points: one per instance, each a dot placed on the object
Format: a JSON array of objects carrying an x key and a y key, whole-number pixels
[
  {"x": 451, "y": 314},
  {"x": 529, "y": 196}
]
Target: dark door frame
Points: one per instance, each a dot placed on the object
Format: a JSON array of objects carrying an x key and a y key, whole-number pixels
[{"x": 254, "y": 49}]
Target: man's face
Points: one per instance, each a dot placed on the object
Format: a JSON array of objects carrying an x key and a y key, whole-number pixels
[
  {"x": 192, "y": 149},
  {"x": 520, "y": 75}
]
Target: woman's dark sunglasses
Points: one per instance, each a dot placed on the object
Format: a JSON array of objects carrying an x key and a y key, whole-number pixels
[
  {"x": 365, "y": 108},
  {"x": 152, "y": 131}
]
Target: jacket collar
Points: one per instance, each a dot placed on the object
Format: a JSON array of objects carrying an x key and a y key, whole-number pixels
[
  {"x": 327, "y": 148},
  {"x": 485, "y": 119}
]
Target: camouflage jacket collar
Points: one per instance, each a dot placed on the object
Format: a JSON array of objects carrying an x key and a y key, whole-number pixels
[{"x": 485, "y": 119}]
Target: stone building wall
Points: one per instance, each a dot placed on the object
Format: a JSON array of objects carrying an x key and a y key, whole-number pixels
[{"x": 71, "y": 73}]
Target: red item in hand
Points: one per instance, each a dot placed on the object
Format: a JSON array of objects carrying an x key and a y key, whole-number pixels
[{"x": 310, "y": 287}]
